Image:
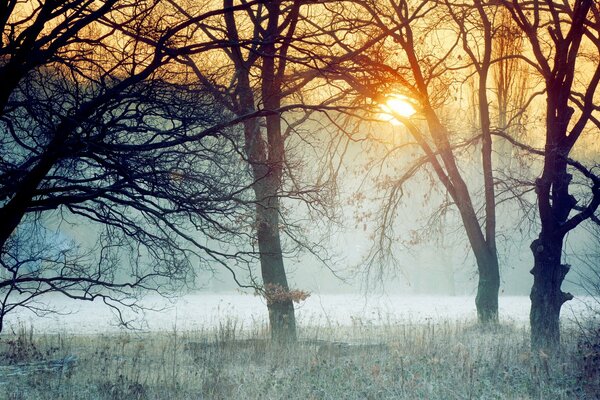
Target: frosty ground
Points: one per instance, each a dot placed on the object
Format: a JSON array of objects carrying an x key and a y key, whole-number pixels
[
  {"x": 200, "y": 311},
  {"x": 390, "y": 347}
]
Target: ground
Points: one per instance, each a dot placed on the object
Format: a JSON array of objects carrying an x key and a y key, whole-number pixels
[{"x": 404, "y": 361}]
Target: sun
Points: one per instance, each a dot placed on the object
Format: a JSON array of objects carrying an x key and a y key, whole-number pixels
[{"x": 397, "y": 105}]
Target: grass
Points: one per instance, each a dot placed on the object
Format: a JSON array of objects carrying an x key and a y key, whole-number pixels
[{"x": 431, "y": 361}]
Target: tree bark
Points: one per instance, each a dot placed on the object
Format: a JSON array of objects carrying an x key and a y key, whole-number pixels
[
  {"x": 13, "y": 212},
  {"x": 265, "y": 153},
  {"x": 488, "y": 287},
  {"x": 546, "y": 295},
  {"x": 267, "y": 189},
  {"x": 482, "y": 240},
  {"x": 486, "y": 300},
  {"x": 281, "y": 310},
  {"x": 267, "y": 181},
  {"x": 557, "y": 64}
]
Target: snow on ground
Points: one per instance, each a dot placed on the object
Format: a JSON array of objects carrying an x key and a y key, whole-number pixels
[{"x": 196, "y": 312}]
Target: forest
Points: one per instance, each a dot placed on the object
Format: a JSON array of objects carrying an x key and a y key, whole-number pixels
[{"x": 149, "y": 146}]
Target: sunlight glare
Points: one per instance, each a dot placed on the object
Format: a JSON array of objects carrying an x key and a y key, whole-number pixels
[{"x": 397, "y": 105}]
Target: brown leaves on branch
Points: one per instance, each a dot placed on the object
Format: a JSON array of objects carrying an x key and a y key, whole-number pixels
[{"x": 275, "y": 293}]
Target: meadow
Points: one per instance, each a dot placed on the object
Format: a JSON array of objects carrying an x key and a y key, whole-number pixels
[{"x": 445, "y": 360}]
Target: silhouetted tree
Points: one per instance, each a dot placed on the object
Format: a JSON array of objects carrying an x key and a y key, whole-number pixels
[
  {"x": 97, "y": 130},
  {"x": 266, "y": 63},
  {"x": 406, "y": 55},
  {"x": 562, "y": 37}
]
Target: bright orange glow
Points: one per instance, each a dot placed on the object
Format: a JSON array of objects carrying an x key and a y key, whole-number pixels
[{"x": 397, "y": 105}]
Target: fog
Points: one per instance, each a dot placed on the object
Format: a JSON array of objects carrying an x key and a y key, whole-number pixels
[
  {"x": 429, "y": 253},
  {"x": 207, "y": 312}
]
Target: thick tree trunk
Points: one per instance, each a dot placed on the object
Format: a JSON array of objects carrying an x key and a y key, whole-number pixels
[
  {"x": 554, "y": 206},
  {"x": 555, "y": 203},
  {"x": 546, "y": 295},
  {"x": 486, "y": 300},
  {"x": 283, "y": 321},
  {"x": 267, "y": 181},
  {"x": 266, "y": 154},
  {"x": 281, "y": 308},
  {"x": 12, "y": 213}
]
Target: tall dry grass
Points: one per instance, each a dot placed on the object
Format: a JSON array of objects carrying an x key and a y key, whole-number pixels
[{"x": 395, "y": 361}]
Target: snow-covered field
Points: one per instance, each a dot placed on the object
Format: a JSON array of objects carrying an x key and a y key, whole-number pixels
[{"x": 208, "y": 310}]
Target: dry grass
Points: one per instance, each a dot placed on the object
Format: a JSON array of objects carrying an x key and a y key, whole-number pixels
[{"x": 441, "y": 361}]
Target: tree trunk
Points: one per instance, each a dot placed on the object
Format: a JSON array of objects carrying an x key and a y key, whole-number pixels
[
  {"x": 266, "y": 151},
  {"x": 486, "y": 300},
  {"x": 12, "y": 213},
  {"x": 267, "y": 181},
  {"x": 484, "y": 249},
  {"x": 546, "y": 295},
  {"x": 281, "y": 308}
]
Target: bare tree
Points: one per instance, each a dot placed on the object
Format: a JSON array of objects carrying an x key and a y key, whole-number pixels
[
  {"x": 560, "y": 36},
  {"x": 264, "y": 42},
  {"x": 424, "y": 70},
  {"x": 96, "y": 128}
]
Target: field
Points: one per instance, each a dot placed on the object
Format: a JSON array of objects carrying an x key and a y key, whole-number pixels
[{"x": 447, "y": 360}]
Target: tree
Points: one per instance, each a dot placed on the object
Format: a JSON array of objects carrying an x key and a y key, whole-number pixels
[
  {"x": 95, "y": 128},
  {"x": 408, "y": 57},
  {"x": 266, "y": 157},
  {"x": 263, "y": 42},
  {"x": 559, "y": 35}
]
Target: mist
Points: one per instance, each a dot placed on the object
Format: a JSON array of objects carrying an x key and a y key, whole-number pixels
[{"x": 366, "y": 199}]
